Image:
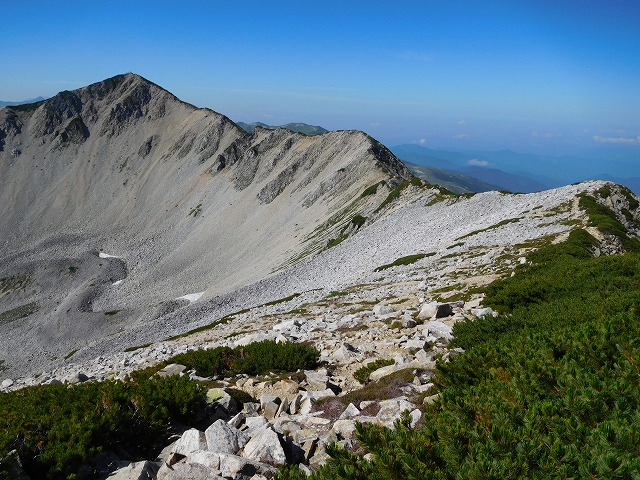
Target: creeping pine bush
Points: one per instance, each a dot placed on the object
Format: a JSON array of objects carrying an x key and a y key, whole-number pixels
[
  {"x": 57, "y": 428},
  {"x": 256, "y": 358},
  {"x": 549, "y": 390}
]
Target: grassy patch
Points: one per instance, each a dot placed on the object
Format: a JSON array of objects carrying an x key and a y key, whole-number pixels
[
  {"x": 492, "y": 227},
  {"x": 17, "y": 313},
  {"x": 395, "y": 193},
  {"x": 362, "y": 374},
  {"x": 407, "y": 260},
  {"x": 70, "y": 354},
  {"x": 281, "y": 300},
  {"x": 605, "y": 220},
  {"x": 204, "y": 328},
  {"x": 133, "y": 349},
  {"x": 372, "y": 190}
]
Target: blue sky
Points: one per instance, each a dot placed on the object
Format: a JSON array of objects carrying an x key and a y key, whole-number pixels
[{"x": 534, "y": 76}]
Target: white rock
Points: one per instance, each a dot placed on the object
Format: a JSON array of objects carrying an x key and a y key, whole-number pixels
[
  {"x": 483, "y": 312},
  {"x": 379, "y": 310},
  {"x": 440, "y": 330},
  {"x": 350, "y": 412},
  {"x": 136, "y": 471},
  {"x": 190, "y": 441},
  {"x": 265, "y": 447},
  {"x": 428, "y": 310}
]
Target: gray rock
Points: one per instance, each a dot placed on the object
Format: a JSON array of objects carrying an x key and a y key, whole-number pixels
[
  {"x": 440, "y": 330},
  {"x": 233, "y": 466},
  {"x": 190, "y": 441},
  {"x": 206, "y": 458},
  {"x": 187, "y": 471},
  {"x": 172, "y": 369},
  {"x": 265, "y": 447},
  {"x": 428, "y": 310},
  {"x": 223, "y": 438},
  {"x": 317, "y": 380},
  {"x": 143, "y": 470},
  {"x": 254, "y": 424},
  {"x": 287, "y": 325},
  {"x": 237, "y": 420},
  {"x": 380, "y": 310},
  {"x": 350, "y": 412},
  {"x": 416, "y": 415},
  {"x": 345, "y": 353},
  {"x": 483, "y": 312},
  {"x": 270, "y": 405},
  {"x": 391, "y": 410}
]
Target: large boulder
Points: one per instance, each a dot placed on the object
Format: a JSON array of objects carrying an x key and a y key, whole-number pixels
[
  {"x": 265, "y": 447},
  {"x": 192, "y": 440},
  {"x": 223, "y": 438},
  {"x": 439, "y": 330}
]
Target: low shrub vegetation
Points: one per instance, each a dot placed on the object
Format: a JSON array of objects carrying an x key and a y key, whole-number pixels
[
  {"x": 550, "y": 389},
  {"x": 256, "y": 358},
  {"x": 362, "y": 374},
  {"x": 57, "y": 428},
  {"x": 408, "y": 260}
]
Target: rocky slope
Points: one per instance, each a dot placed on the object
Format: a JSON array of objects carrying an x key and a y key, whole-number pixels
[
  {"x": 117, "y": 198},
  {"x": 357, "y": 304}
]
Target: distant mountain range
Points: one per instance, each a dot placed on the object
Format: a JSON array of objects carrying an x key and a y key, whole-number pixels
[
  {"x": 33, "y": 100},
  {"x": 518, "y": 172},
  {"x": 294, "y": 127}
]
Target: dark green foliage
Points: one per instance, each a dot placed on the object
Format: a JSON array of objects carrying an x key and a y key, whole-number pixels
[
  {"x": 281, "y": 300},
  {"x": 57, "y": 428},
  {"x": 409, "y": 259},
  {"x": 371, "y": 190},
  {"x": 358, "y": 220},
  {"x": 549, "y": 390},
  {"x": 362, "y": 374},
  {"x": 256, "y": 358},
  {"x": 492, "y": 227}
]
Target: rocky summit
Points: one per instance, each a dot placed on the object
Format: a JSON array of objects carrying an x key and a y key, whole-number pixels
[{"x": 137, "y": 227}]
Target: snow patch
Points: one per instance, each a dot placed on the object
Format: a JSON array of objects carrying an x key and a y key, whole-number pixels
[
  {"x": 192, "y": 297},
  {"x": 118, "y": 282},
  {"x": 106, "y": 255}
]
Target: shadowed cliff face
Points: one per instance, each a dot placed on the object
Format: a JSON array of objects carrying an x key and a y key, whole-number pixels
[{"x": 186, "y": 201}]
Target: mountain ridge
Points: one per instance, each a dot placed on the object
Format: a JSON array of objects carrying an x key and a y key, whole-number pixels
[{"x": 185, "y": 199}]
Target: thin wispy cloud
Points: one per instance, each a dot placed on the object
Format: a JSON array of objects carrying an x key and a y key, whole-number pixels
[
  {"x": 617, "y": 140},
  {"x": 537, "y": 134},
  {"x": 474, "y": 162},
  {"x": 461, "y": 136}
]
